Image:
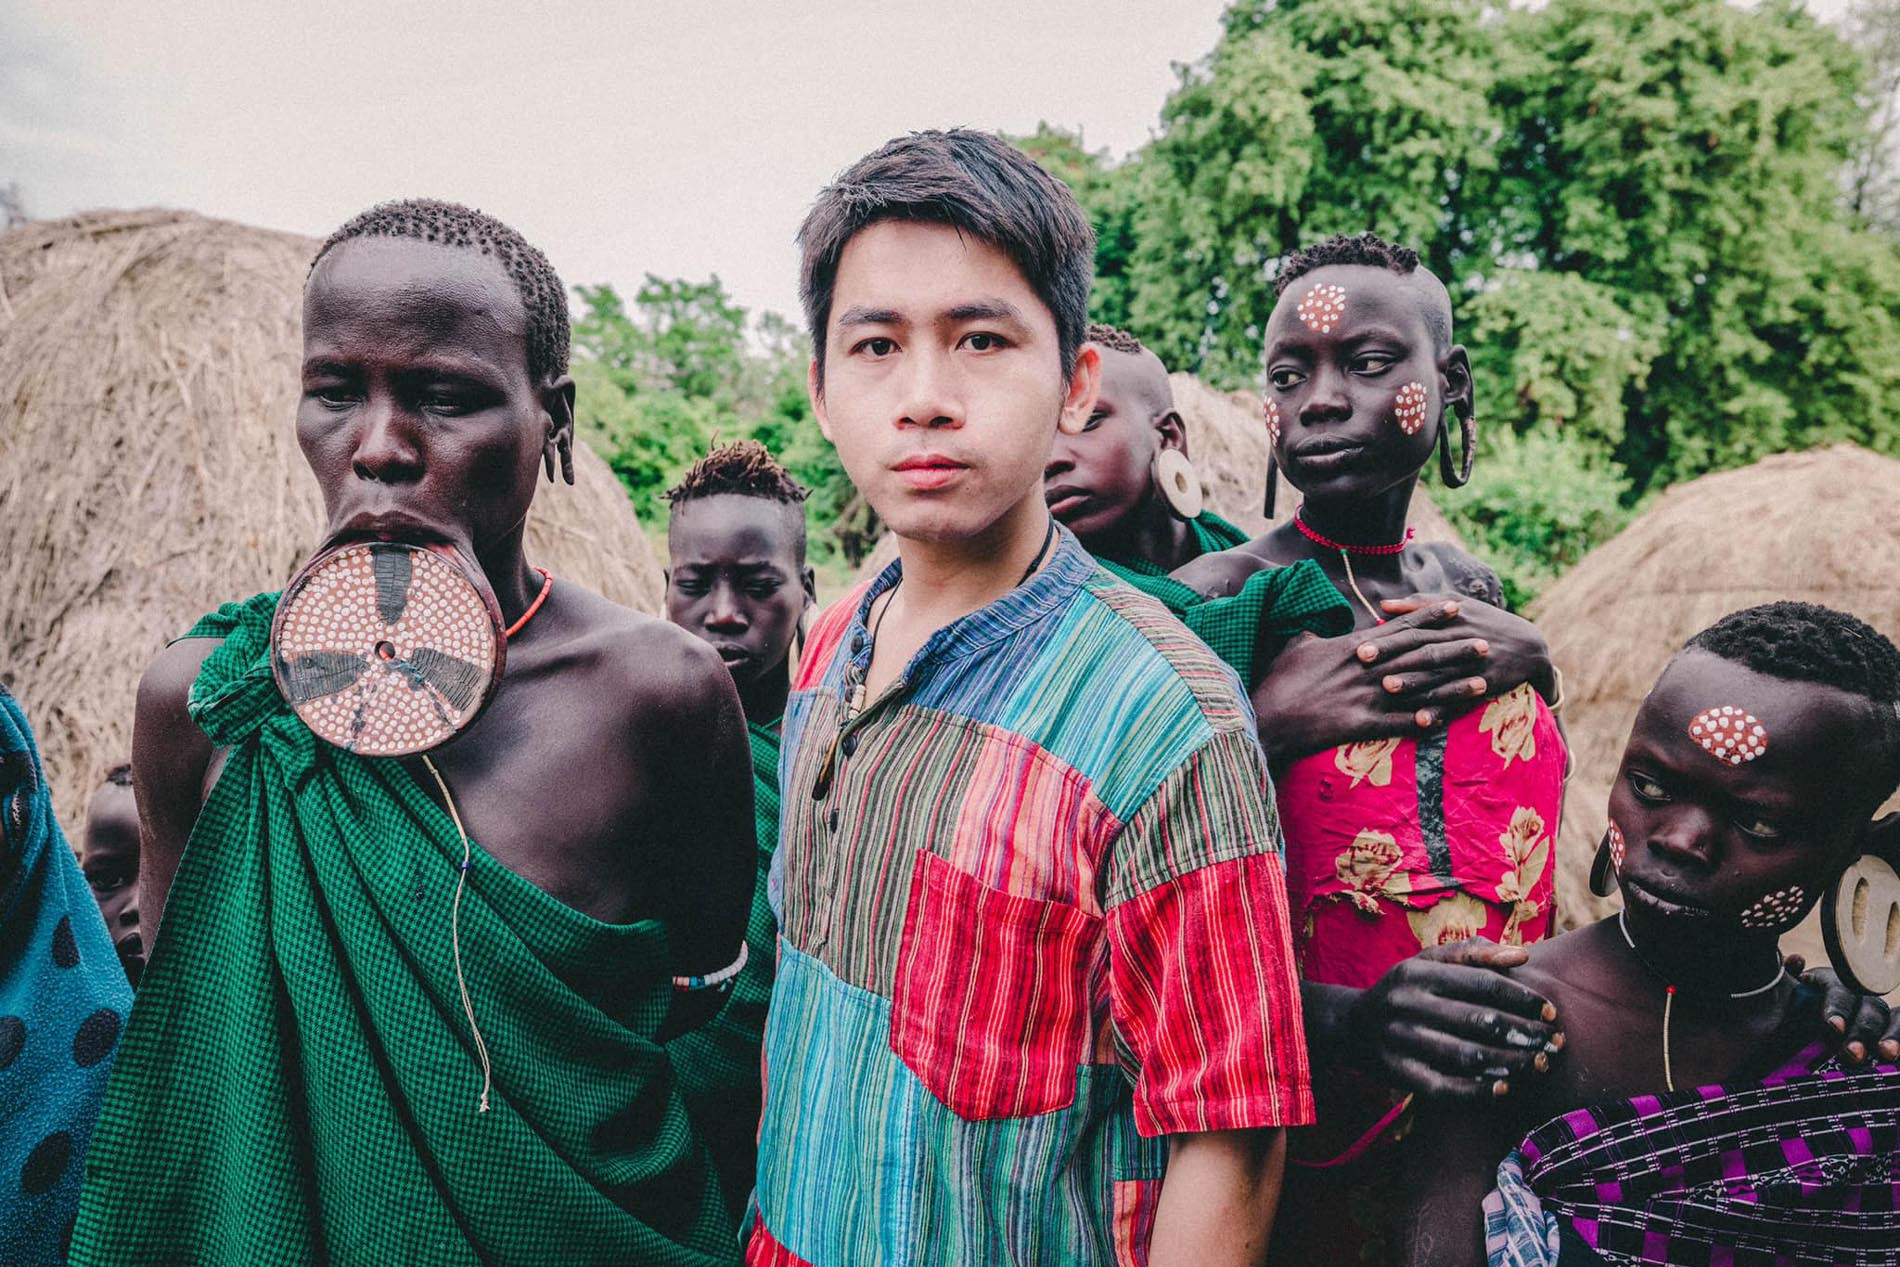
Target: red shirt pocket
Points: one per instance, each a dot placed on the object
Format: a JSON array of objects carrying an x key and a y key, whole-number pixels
[{"x": 991, "y": 1005}]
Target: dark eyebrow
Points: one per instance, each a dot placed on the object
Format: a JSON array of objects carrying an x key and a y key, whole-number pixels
[
  {"x": 985, "y": 310},
  {"x": 861, "y": 316},
  {"x": 321, "y": 365}
]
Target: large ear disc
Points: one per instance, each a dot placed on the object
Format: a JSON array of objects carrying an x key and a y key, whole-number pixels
[{"x": 1860, "y": 923}]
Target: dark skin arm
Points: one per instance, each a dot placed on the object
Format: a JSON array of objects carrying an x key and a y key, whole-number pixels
[
  {"x": 694, "y": 734},
  {"x": 171, "y": 759}
]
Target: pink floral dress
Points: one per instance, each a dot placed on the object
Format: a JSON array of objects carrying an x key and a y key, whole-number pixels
[{"x": 1394, "y": 845}]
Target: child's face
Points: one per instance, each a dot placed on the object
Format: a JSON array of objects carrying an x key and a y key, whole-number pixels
[
  {"x": 734, "y": 579},
  {"x": 110, "y": 860},
  {"x": 944, "y": 381},
  {"x": 1733, "y": 807},
  {"x": 1097, "y": 479},
  {"x": 1355, "y": 393}
]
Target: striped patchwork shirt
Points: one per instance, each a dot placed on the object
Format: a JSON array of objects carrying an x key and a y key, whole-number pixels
[{"x": 1032, "y": 920}]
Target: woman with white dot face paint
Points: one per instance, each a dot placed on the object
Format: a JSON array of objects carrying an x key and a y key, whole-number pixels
[
  {"x": 1418, "y": 762},
  {"x": 1732, "y": 813}
]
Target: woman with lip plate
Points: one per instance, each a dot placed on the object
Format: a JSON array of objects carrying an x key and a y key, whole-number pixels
[
  {"x": 1418, "y": 767},
  {"x": 1693, "y": 1119}
]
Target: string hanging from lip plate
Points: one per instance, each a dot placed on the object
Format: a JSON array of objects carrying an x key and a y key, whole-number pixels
[{"x": 461, "y": 874}]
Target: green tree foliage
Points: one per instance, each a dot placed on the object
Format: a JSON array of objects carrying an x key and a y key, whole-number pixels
[
  {"x": 681, "y": 369},
  {"x": 1664, "y": 223}
]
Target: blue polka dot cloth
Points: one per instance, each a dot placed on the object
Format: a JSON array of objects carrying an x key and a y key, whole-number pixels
[{"x": 63, "y": 1002}]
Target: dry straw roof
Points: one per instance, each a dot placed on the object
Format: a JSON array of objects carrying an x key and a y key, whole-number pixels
[
  {"x": 148, "y": 471},
  {"x": 1227, "y": 442},
  {"x": 1821, "y": 527}
]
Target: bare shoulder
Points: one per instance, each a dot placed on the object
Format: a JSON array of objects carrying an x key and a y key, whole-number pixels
[
  {"x": 165, "y": 688},
  {"x": 654, "y": 667},
  {"x": 1223, "y": 572},
  {"x": 1464, "y": 573}
]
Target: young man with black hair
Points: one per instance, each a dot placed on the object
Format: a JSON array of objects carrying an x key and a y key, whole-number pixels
[
  {"x": 736, "y": 578},
  {"x": 1694, "y": 1118},
  {"x": 1035, "y": 996},
  {"x": 399, "y": 1012}
]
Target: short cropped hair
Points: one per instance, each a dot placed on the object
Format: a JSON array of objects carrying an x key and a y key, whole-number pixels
[
  {"x": 974, "y": 182},
  {"x": 1371, "y": 251},
  {"x": 1114, "y": 339},
  {"x": 543, "y": 296},
  {"x": 745, "y": 467},
  {"x": 1805, "y": 642},
  {"x": 120, "y": 775}
]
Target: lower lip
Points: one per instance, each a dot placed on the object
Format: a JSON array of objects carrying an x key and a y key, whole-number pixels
[
  {"x": 1656, "y": 903},
  {"x": 1069, "y": 507},
  {"x": 925, "y": 478},
  {"x": 1331, "y": 460}
]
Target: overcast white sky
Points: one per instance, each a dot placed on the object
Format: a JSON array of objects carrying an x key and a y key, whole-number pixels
[{"x": 683, "y": 139}]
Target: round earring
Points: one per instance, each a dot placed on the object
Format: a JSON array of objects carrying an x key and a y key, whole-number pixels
[
  {"x": 1180, "y": 486},
  {"x": 1460, "y": 475},
  {"x": 1604, "y": 866}
]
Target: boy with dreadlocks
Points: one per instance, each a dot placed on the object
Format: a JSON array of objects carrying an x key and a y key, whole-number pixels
[
  {"x": 1693, "y": 1118},
  {"x": 737, "y": 579}
]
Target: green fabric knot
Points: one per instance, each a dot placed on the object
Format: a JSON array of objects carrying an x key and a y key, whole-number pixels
[{"x": 235, "y": 694}]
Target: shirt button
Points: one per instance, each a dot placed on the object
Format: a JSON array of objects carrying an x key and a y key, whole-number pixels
[{"x": 851, "y": 744}]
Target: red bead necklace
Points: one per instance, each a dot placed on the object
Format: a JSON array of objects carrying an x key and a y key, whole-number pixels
[{"x": 1345, "y": 556}]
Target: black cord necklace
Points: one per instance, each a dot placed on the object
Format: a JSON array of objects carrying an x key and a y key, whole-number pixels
[
  {"x": 854, "y": 693},
  {"x": 1669, "y": 992}
]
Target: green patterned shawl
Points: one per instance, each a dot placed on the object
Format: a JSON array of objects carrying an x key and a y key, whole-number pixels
[
  {"x": 1282, "y": 601},
  {"x": 297, "y": 1083}
]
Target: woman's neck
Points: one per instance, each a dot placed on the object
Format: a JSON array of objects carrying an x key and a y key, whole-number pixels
[
  {"x": 1703, "y": 965},
  {"x": 1375, "y": 520},
  {"x": 1151, "y": 533}
]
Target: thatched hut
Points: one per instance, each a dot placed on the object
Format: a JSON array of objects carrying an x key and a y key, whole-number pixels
[
  {"x": 1821, "y": 527},
  {"x": 1228, "y": 444},
  {"x": 148, "y": 470}
]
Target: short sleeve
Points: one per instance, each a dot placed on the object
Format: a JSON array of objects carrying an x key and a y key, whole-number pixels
[{"x": 1203, "y": 989}]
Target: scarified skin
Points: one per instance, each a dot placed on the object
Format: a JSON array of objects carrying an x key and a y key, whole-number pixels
[
  {"x": 1774, "y": 910},
  {"x": 1272, "y": 412},
  {"x": 1729, "y": 734},
  {"x": 1408, "y": 409},
  {"x": 1322, "y": 307},
  {"x": 1618, "y": 847}
]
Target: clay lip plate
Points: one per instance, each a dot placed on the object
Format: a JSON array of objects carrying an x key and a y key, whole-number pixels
[{"x": 387, "y": 649}]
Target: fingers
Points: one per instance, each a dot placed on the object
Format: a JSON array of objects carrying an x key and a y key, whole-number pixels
[
  {"x": 1402, "y": 632},
  {"x": 1423, "y": 690},
  {"x": 1460, "y": 1056},
  {"x": 1408, "y": 1073},
  {"x": 1437, "y": 657},
  {"x": 1528, "y": 1010},
  {"x": 1867, "y": 1028},
  {"x": 1479, "y": 952}
]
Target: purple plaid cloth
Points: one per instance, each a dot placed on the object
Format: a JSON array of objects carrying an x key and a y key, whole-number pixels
[{"x": 1802, "y": 1167}]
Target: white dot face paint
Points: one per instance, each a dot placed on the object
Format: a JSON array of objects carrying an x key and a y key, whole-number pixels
[
  {"x": 1618, "y": 847},
  {"x": 1777, "y": 910},
  {"x": 1322, "y": 307},
  {"x": 1408, "y": 410},
  {"x": 1273, "y": 422},
  {"x": 1731, "y": 735}
]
